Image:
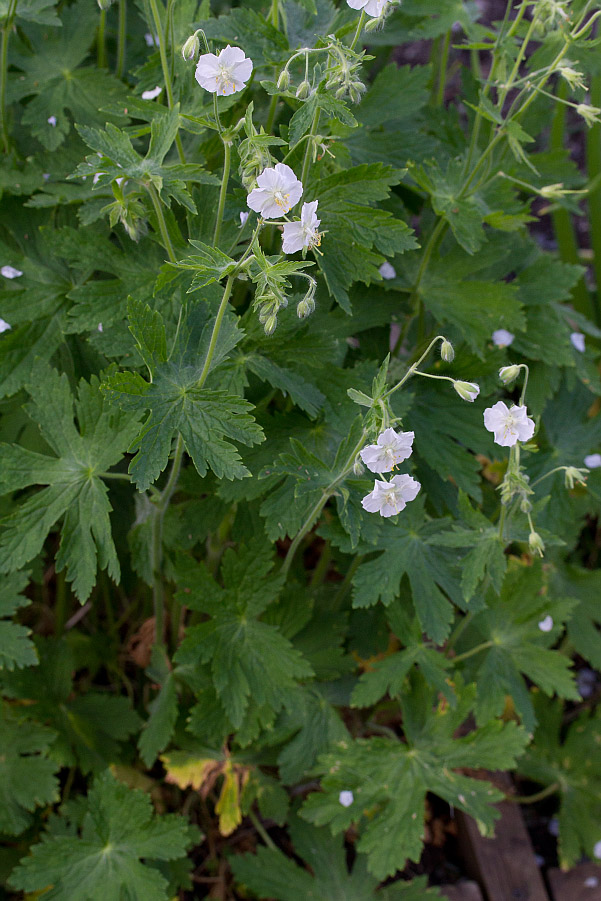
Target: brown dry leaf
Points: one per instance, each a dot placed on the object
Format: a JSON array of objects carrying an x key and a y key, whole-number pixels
[{"x": 140, "y": 644}]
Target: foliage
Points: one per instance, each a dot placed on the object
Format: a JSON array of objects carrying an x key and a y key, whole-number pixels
[{"x": 263, "y": 563}]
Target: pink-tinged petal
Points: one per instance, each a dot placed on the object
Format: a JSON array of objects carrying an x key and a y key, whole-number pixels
[{"x": 293, "y": 237}]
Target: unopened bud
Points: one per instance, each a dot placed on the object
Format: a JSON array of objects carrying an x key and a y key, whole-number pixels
[
  {"x": 467, "y": 390},
  {"x": 303, "y": 90},
  {"x": 283, "y": 80},
  {"x": 191, "y": 47},
  {"x": 573, "y": 475},
  {"x": 525, "y": 505},
  {"x": 446, "y": 351},
  {"x": 270, "y": 324},
  {"x": 508, "y": 373},
  {"x": 358, "y": 467},
  {"x": 356, "y": 90},
  {"x": 304, "y": 308},
  {"x": 536, "y": 544},
  {"x": 340, "y": 93},
  {"x": 104, "y": 4}
]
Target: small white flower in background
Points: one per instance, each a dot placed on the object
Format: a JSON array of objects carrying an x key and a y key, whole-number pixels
[
  {"x": 224, "y": 74},
  {"x": 100, "y": 329},
  {"x": 151, "y": 40},
  {"x": 297, "y": 235},
  {"x": 373, "y": 8},
  {"x": 597, "y": 850},
  {"x": 278, "y": 190},
  {"x": 150, "y": 95},
  {"x": 553, "y": 827},
  {"x": 387, "y": 270},
  {"x": 467, "y": 390},
  {"x": 592, "y": 461},
  {"x": 509, "y": 425},
  {"x": 389, "y": 498},
  {"x": 577, "y": 339},
  {"x": 346, "y": 798},
  {"x": 96, "y": 177},
  {"x": 591, "y": 882},
  {"x": 502, "y": 338},
  {"x": 243, "y": 218},
  {"x": 10, "y": 272},
  {"x": 546, "y": 624},
  {"x": 4, "y": 326},
  {"x": 392, "y": 448},
  {"x": 586, "y": 680},
  {"x": 51, "y": 121}
]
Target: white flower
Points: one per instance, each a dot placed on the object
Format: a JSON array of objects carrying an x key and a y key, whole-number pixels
[
  {"x": 4, "y": 326},
  {"x": 592, "y": 461},
  {"x": 100, "y": 329},
  {"x": 346, "y": 798},
  {"x": 509, "y": 425},
  {"x": 297, "y": 235},
  {"x": 51, "y": 121},
  {"x": 387, "y": 270},
  {"x": 597, "y": 850},
  {"x": 224, "y": 74},
  {"x": 278, "y": 191},
  {"x": 467, "y": 390},
  {"x": 577, "y": 339},
  {"x": 243, "y": 218},
  {"x": 546, "y": 624},
  {"x": 392, "y": 448},
  {"x": 372, "y": 7},
  {"x": 10, "y": 272},
  {"x": 502, "y": 338},
  {"x": 150, "y": 95},
  {"x": 389, "y": 498},
  {"x": 591, "y": 882},
  {"x": 151, "y": 40}
]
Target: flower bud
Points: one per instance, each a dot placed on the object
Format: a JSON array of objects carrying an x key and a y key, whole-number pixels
[
  {"x": 191, "y": 47},
  {"x": 525, "y": 505},
  {"x": 536, "y": 544},
  {"x": 270, "y": 324},
  {"x": 573, "y": 474},
  {"x": 340, "y": 93},
  {"x": 467, "y": 390},
  {"x": 446, "y": 351},
  {"x": 284, "y": 80},
  {"x": 508, "y": 373},
  {"x": 104, "y": 4},
  {"x": 305, "y": 308},
  {"x": 358, "y": 467},
  {"x": 303, "y": 90},
  {"x": 356, "y": 89}
]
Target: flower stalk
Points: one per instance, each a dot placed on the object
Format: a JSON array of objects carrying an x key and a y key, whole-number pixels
[{"x": 6, "y": 30}]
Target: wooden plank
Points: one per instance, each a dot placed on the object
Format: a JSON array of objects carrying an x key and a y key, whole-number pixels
[
  {"x": 582, "y": 883},
  {"x": 504, "y": 866},
  {"x": 462, "y": 891}
]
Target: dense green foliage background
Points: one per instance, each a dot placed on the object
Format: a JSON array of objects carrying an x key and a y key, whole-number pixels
[{"x": 201, "y": 626}]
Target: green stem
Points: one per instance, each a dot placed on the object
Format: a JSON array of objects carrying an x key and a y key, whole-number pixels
[
  {"x": 121, "y": 39},
  {"x": 538, "y": 796},
  {"x": 6, "y": 29},
  {"x": 502, "y": 516},
  {"x": 526, "y": 368},
  {"x": 561, "y": 218},
  {"x": 412, "y": 369},
  {"x": 271, "y": 114},
  {"x": 101, "y": 46},
  {"x": 156, "y": 202},
  {"x": 60, "y": 603},
  {"x": 360, "y": 25},
  {"x": 476, "y": 650},
  {"x": 593, "y": 162},
  {"x": 158, "y": 589},
  {"x": 274, "y": 14},
  {"x": 347, "y": 581},
  {"x": 215, "y": 334},
  {"x": 457, "y": 632},
  {"x": 547, "y": 474},
  {"x": 321, "y": 570},
  {"x": 122, "y": 476},
  {"x": 442, "y": 71},
  {"x": 309, "y": 148},
  {"x": 227, "y": 150},
  {"x": 257, "y": 822},
  {"x": 165, "y": 67},
  {"x": 438, "y": 231}
]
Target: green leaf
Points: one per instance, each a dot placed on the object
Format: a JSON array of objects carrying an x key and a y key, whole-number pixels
[
  {"x": 313, "y": 727},
  {"x": 43, "y": 12},
  {"x": 516, "y": 645},
  {"x": 27, "y": 776},
  {"x": 16, "y": 649},
  {"x": 248, "y": 657},
  {"x": 158, "y": 729},
  {"x": 147, "y": 327},
  {"x": 120, "y": 831},
  {"x": 463, "y": 214},
  {"x": 389, "y": 779},
  {"x": 205, "y": 418},
  {"x": 75, "y": 491},
  {"x": 325, "y": 875},
  {"x": 321, "y": 99},
  {"x": 209, "y": 265}
]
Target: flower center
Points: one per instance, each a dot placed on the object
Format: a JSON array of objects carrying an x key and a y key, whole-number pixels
[
  {"x": 282, "y": 200},
  {"x": 226, "y": 77}
]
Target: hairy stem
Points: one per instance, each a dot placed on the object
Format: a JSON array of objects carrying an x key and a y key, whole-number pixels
[
  {"x": 6, "y": 29},
  {"x": 227, "y": 151},
  {"x": 538, "y": 796},
  {"x": 442, "y": 70},
  {"x": 309, "y": 148},
  {"x": 156, "y": 550},
  {"x": 165, "y": 67},
  {"x": 101, "y": 41},
  {"x": 158, "y": 209},
  {"x": 360, "y": 25},
  {"x": 215, "y": 334},
  {"x": 473, "y": 651}
]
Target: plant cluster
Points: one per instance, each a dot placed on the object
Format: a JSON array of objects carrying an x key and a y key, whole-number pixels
[{"x": 299, "y": 460}]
